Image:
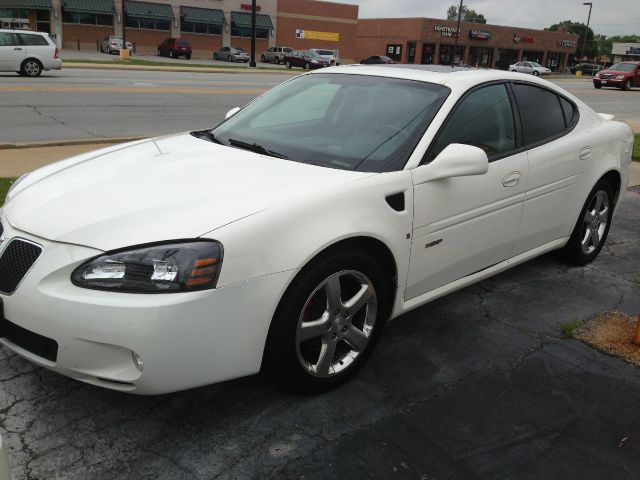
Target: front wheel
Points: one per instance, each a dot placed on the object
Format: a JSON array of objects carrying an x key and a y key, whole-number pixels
[
  {"x": 288, "y": 65},
  {"x": 536, "y": 73},
  {"x": 188, "y": 56},
  {"x": 627, "y": 85},
  {"x": 263, "y": 59},
  {"x": 276, "y": 60},
  {"x": 592, "y": 228},
  {"x": 328, "y": 321},
  {"x": 306, "y": 66}
]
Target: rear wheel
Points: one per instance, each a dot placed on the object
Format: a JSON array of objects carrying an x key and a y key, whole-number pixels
[
  {"x": 276, "y": 60},
  {"x": 263, "y": 59},
  {"x": 306, "y": 66},
  {"x": 288, "y": 65},
  {"x": 592, "y": 228},
  {"x": 328, "y": 321},
  {"x": 31, "y": 68}
]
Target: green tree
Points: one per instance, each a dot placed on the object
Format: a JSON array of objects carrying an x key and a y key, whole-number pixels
[
  {"x": 468, "y": 15},
  {"x": 590, "y": 47}
]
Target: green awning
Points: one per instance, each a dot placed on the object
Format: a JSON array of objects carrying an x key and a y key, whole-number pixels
[
  {"x": 158, "y": 11},
  {"x": 243, "y": 19},
  {"x": 89, "y": 6},
  {"x": 202, "y": 15},
  {"x": 26, "y": 4}
]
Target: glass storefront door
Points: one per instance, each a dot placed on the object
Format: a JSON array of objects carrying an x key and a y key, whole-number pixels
[
  {"x": 554, "y": 60},
  {"x": 480, "y": 57},
  {"x": 428, "y": 50},
  {"x": 506, "y": 57},
  {"x": 447, "y": 56}
]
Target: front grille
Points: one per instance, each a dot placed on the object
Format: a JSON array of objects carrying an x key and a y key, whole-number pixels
[
  {"x": 15, "y": 262},
  {"x": 37, "y": 344},
  {"x": 606, "y": 76}
]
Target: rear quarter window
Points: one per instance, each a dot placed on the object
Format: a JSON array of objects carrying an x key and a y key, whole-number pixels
[
  {"x": 28, "y": 39},
  {"x": 541, "y": 113}
]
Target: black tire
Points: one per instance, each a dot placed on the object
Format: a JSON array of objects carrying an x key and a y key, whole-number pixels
[
  {"x": 627, "y": 85},
  {"x": 287, "y": 361},
  {"x": 574, "y": 252},
  {"x": 598, "y": 86},
  {"x": 536, "y": 73},
  {"x": 263, "y": 59},
  {"x": 276, "y": 60},
  {"x": 31, "y": 68},
  {"x": 188, "y": 56},
  {"x": 172, "y": 54},
  {"x": 229, "y": 58},
  {"x": 288, "y": 65},
  {"x": 306, "y": 66}
]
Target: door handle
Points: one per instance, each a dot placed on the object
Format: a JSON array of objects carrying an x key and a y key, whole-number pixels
[
  {"x": 511, "y": 179},
  {"x": 17, "y": 48}
]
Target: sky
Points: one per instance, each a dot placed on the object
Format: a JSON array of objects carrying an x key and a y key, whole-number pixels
[{"x": 608, "y": 17}]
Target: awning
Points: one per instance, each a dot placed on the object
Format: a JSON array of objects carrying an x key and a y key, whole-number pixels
[
  {"x": 26, "y": 4},
  {"x": 243, "y": 19},
  {"x": 202, "y": 15},
  {"x": 158, "y": 11},
  {"x": 89, "y": 6}
]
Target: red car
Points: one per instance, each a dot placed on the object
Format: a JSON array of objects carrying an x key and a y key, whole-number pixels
[
  {"x": 174, "y": 48},
  {"x": 622, "y": 75},
  {"x": 306, "y": 59}
]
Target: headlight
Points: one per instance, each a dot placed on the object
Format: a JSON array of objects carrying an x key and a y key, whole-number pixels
[
  {"x": 314, "y": 61},
  {"x": 597, "y": 75},
  {"x": 168, "y": 268},
  {"x": 620, "y": 77}
]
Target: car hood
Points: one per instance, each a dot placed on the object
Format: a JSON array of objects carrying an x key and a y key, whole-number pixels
[{"x": 168, "y": 188}]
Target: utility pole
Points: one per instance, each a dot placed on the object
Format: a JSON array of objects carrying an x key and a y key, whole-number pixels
[
  {"x": 457, "y": 34},
  {"x": 586, "y": 31},
  {"x": 124, "y": 38},
  {"x": 253, "y": 34}
]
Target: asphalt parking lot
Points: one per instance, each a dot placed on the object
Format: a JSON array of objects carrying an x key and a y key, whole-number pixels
[{"x": 479, "y": 384}]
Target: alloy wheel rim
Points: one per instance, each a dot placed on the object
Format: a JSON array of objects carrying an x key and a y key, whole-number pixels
[
  {"x": 594, "y": 223},
  {"x": 31, "y": 68},
  {"x": 336, "y": 323}
]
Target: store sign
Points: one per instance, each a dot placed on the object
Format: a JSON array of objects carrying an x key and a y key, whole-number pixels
[
  {"x": 567, "y": 43},
  {"x": 313, "y": 35},
  {"x": 518, "y": 39},
  {"x": 480, "y": 34},
  {"x": 247, "y": 7},
  {"x": 633, "y": 51},
  {"x": 446, "y": 31}
]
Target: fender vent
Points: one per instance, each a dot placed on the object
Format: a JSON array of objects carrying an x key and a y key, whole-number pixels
[
  {"x": 396, "y": 201},
  {"x": 15, "y": 262}
]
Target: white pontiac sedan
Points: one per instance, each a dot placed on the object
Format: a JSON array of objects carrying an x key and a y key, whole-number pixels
[
  {"x": 533, "y": 68},
  {"x": 286, "y": 236}
]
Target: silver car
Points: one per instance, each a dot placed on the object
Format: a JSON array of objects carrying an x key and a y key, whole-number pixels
[
  {"x": 530, "y": 67},
  {"x": 231, "y": 54},
  {"x": 27, "y": 53},
  {"x": 113, "y": 44},
  {"x": 331, "y": 56}
]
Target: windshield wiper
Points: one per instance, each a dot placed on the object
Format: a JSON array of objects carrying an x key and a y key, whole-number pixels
[
  {"x": 207, "y": 135},
  {"x": 254, "y": 147}
]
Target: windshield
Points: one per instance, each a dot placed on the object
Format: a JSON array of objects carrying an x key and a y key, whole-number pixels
[
  {"x": 623, "y": 67},
  {"x": 352, "y": 122},
  {"x": 311, "y": 53},
  {"x": 324, "y": 52}
]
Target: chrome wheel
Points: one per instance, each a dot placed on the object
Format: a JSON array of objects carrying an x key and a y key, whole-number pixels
[
  {"x": 32, "y": 68},
  {"x": 595, "y": 222},
  {"x": 336, "y": 323}
]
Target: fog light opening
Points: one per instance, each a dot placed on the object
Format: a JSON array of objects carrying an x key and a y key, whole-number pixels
[{"x": 137, "y": 361}]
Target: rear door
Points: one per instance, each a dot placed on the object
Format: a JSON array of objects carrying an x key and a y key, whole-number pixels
[
  {"x": 37, "y": 46},
  {"x": 11, "y": 52}
]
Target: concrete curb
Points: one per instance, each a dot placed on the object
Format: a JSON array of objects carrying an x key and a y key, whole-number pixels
[
  {"x": 178, "y": 68},
  {"x": 67, "y": 143}
]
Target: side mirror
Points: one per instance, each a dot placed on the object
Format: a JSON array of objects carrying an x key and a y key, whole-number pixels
[
  {"x": 457, "y": 160},
  {"x": 232, "y": 112}
]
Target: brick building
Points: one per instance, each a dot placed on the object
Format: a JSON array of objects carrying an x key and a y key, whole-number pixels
[{"x": 431, "y": 41}]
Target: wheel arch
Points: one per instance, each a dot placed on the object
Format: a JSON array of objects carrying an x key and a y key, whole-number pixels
[{"x": 615, "y": 180}]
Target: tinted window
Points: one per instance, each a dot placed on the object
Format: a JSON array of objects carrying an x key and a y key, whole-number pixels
[
  {"x": 569, "y": 112},
  {"x": 8, "y": 39},
  {"x": 33, "y": 39},
  {"x": 540, "y": 112},
  {"x": 483, "y": 119}
]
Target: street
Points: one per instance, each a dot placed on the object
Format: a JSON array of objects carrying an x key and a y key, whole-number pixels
[{"x": 83, "y": 104}]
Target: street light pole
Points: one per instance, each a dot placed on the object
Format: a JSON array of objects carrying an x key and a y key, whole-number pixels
[
  {"x": 124, "y": 38},
  {"x": 457, "y": 34},
  {"x": 253, "y": 34},
  {"x": 586, "y": 31}
]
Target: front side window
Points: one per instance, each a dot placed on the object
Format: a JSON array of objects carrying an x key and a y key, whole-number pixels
[
  {"x": 351, "y": 122},
  {"x": 8, "y": 39},
  {"x": 483, "y": 119},
  {"x": 540, "y": 112}
]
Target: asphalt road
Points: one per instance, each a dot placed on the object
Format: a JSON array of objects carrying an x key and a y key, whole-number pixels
[
  {"x": 477, "y": 385},
  {"x": 84, "y": 104}
]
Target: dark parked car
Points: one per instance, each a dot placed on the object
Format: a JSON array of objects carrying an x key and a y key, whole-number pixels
[
  {"x": 306, "y": 59},
  {"x": 377, "y": 59},
  {"x": 622, "y": 75},
  {"x": 587, "y": 68},
  {"x": 174, "y": 48}
]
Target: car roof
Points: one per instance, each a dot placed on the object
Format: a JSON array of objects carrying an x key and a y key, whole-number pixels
[
  {"x": 21, "y": 30},
  {"x": 459, "y": 77}
]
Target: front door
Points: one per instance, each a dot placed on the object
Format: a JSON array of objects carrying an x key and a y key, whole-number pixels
[
  {"x": 11, "y": 52},
  {"x": 465, "y": 224}
]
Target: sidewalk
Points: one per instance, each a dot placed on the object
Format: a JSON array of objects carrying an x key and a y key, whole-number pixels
[{"x": 16, "y": 161}]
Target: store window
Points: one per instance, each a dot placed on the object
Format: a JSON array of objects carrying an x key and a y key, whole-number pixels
[
  {"x": 394, "y": 51},
  {"x": 14, "y": 13},
  {"x": 428, "y": 50},
  {"x": 532, "y": 56},
  {"x": 246, "y": 32},
  {"x": 43, "y": 21},
  {"x": 148, "y": 23},
  {"x": 241, "y": 25},
  {"x": 480, "y": 57},
  {"x": 411, "y": 52},
  {"x": 505, "y": 58},
  {"x": 447, "y": 56},
  {"x": 87, "y": 18},
  {"x": 554, "y": 60},
  {"x": 148, "y": 16}
]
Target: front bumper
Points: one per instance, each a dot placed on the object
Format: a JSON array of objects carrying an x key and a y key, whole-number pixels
[
  {"x": 609, "y": 82},
  {"x": 184, "y": 339}
]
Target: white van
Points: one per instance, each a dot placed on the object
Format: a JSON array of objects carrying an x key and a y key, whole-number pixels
[{"x": 27, "y": 53}]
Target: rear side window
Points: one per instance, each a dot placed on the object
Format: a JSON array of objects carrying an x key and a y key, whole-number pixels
[
  {"x": 184, "y": 43},
  {"x": 33, "y": 39},
  {"x": 570, "y": 117},
  {"x": 540, "y": 111},
  {"x": 484, "y": 119}
]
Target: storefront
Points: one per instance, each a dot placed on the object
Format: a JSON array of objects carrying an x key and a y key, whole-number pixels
[
  {"x": 622, "y": 52},
  {"x": 31, "y": 14},
  {"x": 481, "y": 45}
]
